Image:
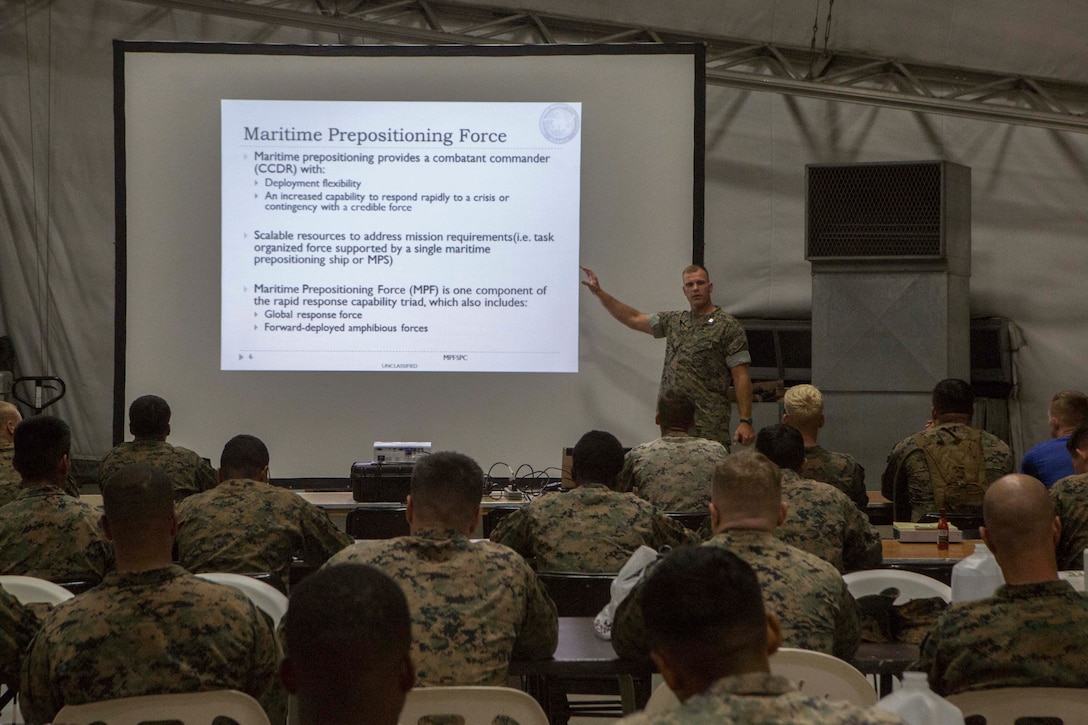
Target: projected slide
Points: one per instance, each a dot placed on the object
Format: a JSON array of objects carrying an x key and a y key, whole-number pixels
[{"x": 400, "y": 235}]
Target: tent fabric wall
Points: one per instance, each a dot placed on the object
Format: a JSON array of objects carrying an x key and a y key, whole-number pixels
[{"x": 1030, "y": 186}]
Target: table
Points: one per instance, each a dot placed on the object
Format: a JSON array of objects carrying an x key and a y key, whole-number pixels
[
  {"x": 925, "y": 559},
  {"x": 581, "y": 653}
]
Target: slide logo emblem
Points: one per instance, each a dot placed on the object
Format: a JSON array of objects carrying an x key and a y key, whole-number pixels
[{"x": 559, "y": 123}]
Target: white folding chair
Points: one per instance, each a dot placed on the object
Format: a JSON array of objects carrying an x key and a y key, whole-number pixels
[
  {"x": 911, "y": 585},
  {"x": 813, "y": 673},
  {"x": 28, "y": 590},
  {"x": 265, "y": 596},
  {"x": 31, "y": 590},
  {"x": 477, "y": 705},
  {"x": 1003, "y": 706},
  {"x": 192, "y": 708}
]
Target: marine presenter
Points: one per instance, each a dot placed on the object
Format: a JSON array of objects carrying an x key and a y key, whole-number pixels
[{"x": 705, "y": 349}]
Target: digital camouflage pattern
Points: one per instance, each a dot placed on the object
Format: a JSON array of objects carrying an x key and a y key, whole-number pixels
[
  {"x": 11, "y": 483},
  {"x": 589, "y": 529},
  {"x": 673, "y": 472},
  {"x": 840, "y": 470},
  {"x": 18, "y": 625},
  {"x": 806, "y": 593},
  {"x": 907, "y": 468},
  {"x": 699, "y": 350},
  {"x": 760, "y": 698},
  {"x": 821, "y": 520},
  {"x": 1070, "y": 497},
  {"x": 1026, "y": 635},
  {"x": 158, "y": 631},
  {"x": 47, "y": 534},
  {"x": 246, "y": 527},
  {"x": 186, "y": 470},
  {"x": 475, "y": 605}
]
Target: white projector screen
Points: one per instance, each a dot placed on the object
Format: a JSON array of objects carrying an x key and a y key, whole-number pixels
[{"x": 331, "y": 246}]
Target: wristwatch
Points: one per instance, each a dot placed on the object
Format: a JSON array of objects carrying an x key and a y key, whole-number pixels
[{"x": 746, "y": 420}]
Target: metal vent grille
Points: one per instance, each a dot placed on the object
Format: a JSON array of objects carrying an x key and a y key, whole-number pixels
[{"x": 874, "y": 210}]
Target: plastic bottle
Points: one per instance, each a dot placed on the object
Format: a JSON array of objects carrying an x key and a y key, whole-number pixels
[
  {"x": 976, "y": 577},
  {"x": 916, "y": 704},
  {"x": 942, "y": 533}
]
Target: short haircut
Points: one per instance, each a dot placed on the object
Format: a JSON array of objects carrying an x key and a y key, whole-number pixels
[
  {"x": 447, "y": 487},
  {"x": 953, "y": 396},
  {"x": 803, "y": 403},
  {"x": 136, "y": 493},
  {"x": 597, "y": 458},
  {"x": 149, "y": 415},
  {"x": 783, "y": 444},
  {"x": 8, "y": 412},
  {"x": 1078, "y": 439},
  {"x": 675, "y": 410},
  {"x": 704, "y": 601},
  {"x": 1069, "y": 408},
  {"x": 345, "y": 619},
  {"x": 693, "y": 268},
  {"x": 244, "y": 456},
  {"x": 747, "y": 482},
  {"x": 41, "y": 443}
]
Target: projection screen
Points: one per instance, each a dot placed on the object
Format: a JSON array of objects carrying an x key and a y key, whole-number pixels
[{"x": 331, "y": 246}]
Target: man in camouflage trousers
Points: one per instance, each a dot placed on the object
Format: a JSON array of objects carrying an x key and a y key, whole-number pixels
[
  {"x": 149, "y": 423},
  {"x": 804, "y": 591},
  {"x": 348, "y": 635},
  {"x": 673, "y": 472},
  {"x": 474, "y": 605},
  {"x": 590, "y": 528},
  {"x": 245, "y": 525},
  {"x": 44, "y": 532},
  {"x": 11, "y": 483},
  {"x": 820, "y": 519},
  {"x": 711, "y": 639},
  {"x": 1033, "y": 632},
  {"x": 705, "y": 349},
  {"x": 151, "y": 627},
  {"x": 1070, "y": 497},
  {"x": 804, "y": 406},
  {"x": 947, "y": 465}
]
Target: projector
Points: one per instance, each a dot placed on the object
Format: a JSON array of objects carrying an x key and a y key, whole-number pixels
[{"x": 399, "y": 451}]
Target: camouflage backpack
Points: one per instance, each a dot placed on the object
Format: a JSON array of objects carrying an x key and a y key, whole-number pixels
[{"x": 956, "y": 472}]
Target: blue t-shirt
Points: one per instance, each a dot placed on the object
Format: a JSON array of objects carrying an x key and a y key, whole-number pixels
[{"x": 1049, "y": 461}]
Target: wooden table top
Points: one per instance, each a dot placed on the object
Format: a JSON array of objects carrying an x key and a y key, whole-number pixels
[{"x": 898, "y": 551}]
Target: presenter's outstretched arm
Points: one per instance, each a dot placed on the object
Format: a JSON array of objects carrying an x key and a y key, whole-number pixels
[
  {"x": 742, "y": 386},
  {"x": 624, "y": 313}
]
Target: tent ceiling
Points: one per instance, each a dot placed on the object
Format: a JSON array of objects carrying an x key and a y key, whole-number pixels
[{"x": 736, "y": 62}]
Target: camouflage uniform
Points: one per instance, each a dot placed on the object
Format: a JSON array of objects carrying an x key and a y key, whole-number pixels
[
  {"x": 838, "y": 469},
  {"x": 589, "y": 529},
  {"x": 474, "y": 605},
  {"x": 907, "y": 469},
  {"x": 187, "y": 471},
  {"x": 11, "y": 483},
  {"x": 821, "y": 520},
  {"x": 698, "y": 354},
  {"x": 673, "y": 472},
  {"x": 760, "y": 698},
  {"x": 245, "y": 526},
  {"x": 154, "y": 632},
  {"x": 1026, "y": 635},
  {"x": 806, "y": 593},
  {"x": 1070, "y": 497},
  {"x": 17, "y": 626},
  {"x": 48, "y": 534}
]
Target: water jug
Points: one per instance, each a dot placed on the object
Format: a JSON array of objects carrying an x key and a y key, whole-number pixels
[
  {"x": 916, "y": 704},
  {"x": 976, "y": 577}
]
